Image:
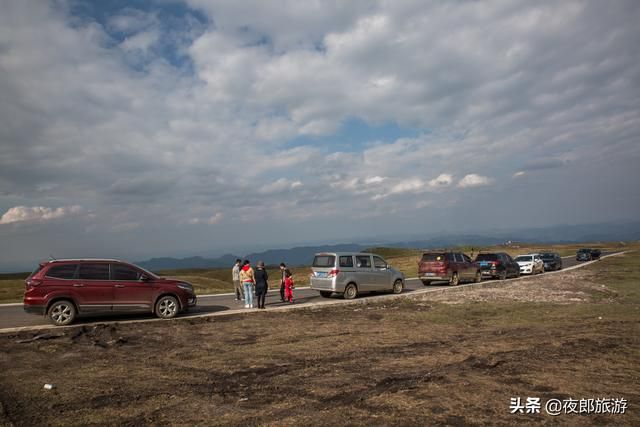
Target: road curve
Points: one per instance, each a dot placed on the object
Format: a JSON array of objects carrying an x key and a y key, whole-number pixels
[{"x": 12, "y": 316}]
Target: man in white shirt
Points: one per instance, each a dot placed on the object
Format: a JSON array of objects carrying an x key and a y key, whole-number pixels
[{"x": 235, "y": 273}]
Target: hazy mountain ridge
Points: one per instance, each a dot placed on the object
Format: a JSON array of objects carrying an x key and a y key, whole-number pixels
[{"x": 303, "y": 255}]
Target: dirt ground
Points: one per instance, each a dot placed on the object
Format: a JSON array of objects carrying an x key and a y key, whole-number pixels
[{"x": 448, "y": 358}]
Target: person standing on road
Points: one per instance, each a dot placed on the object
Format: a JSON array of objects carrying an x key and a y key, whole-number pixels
[
  {"x": 261, "y": 283},
  {"x": 248, "y": 281},
  {"x": 288, "y": 287},
  {"x": 283, "y": 275},
  {"x": 235, "y": 274}
]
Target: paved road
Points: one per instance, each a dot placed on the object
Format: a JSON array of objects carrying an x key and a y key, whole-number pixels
[{"x": 12, "y": 316}]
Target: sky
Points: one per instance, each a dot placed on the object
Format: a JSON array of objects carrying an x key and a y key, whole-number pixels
[{"x": 133, "y": 129}]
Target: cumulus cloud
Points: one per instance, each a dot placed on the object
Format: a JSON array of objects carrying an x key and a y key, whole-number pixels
[
  {"x": 442, "y": 180},
  {"x": 474, "y": 180},
  {"x": 38, "y": 213}
]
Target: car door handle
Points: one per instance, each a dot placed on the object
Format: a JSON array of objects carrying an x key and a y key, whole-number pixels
[
  {"x": 78, "y": 285},
  {"x": 119, "y": 286}
]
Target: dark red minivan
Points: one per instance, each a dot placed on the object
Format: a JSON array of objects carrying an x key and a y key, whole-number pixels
[
  {"x": 64, "y": 289},
  {"x": 453, "y": 267}
]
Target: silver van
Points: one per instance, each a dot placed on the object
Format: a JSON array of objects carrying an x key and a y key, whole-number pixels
[{"x": 349, "y": 273}]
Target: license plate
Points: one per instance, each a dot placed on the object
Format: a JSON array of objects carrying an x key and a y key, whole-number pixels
[
  {"x": 429, "y": 274},
  {"x": 483, "y": 263},
  {"x": 321, "y": 274}
]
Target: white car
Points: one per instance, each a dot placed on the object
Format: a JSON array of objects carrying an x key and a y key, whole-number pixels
[{"x": 530, "y": 264}]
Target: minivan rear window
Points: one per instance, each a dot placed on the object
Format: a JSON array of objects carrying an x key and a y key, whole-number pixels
[
  {"x": 324, "y": 261},
  {"x": 432, "y": 257},
  {"x": 487, "y": 257},
  {"x": 37, "y": 269},
  {"x": 64, "y": 271}
]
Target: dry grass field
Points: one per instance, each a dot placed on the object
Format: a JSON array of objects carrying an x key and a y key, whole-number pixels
[{"x": 452, "y": 358}]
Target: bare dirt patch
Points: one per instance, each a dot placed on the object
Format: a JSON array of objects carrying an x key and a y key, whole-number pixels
[{"x": 401, "y": 362}]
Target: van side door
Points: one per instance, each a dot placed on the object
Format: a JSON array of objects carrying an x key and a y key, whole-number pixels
[
  {"x": 130, "y": 292},
  {"x": 94, "y": 287},
  {"x": 382, "y": 274},
  {"x": 365, "y": 278}
]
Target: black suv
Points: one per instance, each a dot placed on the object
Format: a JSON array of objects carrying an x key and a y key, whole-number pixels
[
  {"x": 584, "y": 254},
  {"x": 595, "y": 253},
  {"x": 552, "y": 261},
  {"x": 498, "y": 265}
]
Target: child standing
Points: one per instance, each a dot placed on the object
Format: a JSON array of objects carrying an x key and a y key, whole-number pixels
[{"x": 288, "y": 287}]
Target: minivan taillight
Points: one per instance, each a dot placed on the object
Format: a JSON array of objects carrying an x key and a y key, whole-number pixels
[
  {"x": 333, "y": 273},
  {"x": 32, "y": 283}
]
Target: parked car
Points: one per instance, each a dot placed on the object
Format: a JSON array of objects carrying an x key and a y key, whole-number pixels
[
  {"x": 64, "y": 289},
  {"x": 351, "y": 273},
  {"x": 530, "y": 264},
  {"x": 453, "y": 267},
  {"x": 584, "y": 254},
  {"x": 595, "y": 253},
  {"x": 497, "y": 265},
  {"x": 552, "y": 261}
]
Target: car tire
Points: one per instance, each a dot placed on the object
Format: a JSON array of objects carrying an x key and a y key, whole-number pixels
[
  {"x": 398, "y": 286},
  {"x": 426, "y": 282},
  {"x": 478, "y": 277},
  {"x": 350, "y": 291},
  {"x": 517, "y": 273},
  {"x": 502, "y": 275},
  {"x": 326, "y": 294},
  {"x": 167, "y": 307},
  {"x": 62, "y": 313},
  {"x": 455, "y": 280}
]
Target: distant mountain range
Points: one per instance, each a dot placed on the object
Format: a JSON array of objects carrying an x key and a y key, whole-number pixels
[{"x": 303, "y": 255}]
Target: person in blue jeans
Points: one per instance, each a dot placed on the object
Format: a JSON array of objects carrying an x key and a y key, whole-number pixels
[{"x": 248, "y": 281}]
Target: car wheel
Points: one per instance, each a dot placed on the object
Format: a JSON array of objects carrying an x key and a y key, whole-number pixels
[
  {"x": 351, "y": 291},
  {"x": 167, "y": 307},
  {"x": 398, "y": 286},
  {"x": 62, "y": 313},
  {"x": 478, "y": 277},
  {"x": 426, "y": 282},
  {"x": 325, "y": 294},
  {"x": 517, "y": 273},
  {"x": 455, "y": 280},
  {"x": 502, "y": 275}
]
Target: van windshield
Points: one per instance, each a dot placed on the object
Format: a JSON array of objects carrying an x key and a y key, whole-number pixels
[{"x": 324, "y": 261}]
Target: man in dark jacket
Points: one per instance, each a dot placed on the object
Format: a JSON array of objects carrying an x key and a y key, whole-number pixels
[
  {"x": 261, "y": 277},
  {"x": 284, "y": 273}
]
